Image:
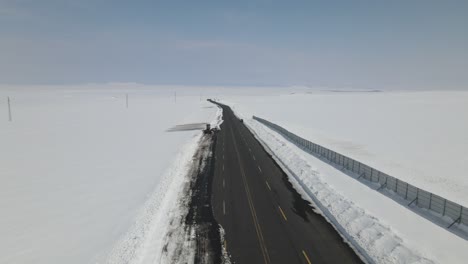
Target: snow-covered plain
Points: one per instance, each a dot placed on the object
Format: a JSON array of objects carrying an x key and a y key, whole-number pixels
[
  {"x": 79, "y": 171},
  {"x": 418, "y": 137}
]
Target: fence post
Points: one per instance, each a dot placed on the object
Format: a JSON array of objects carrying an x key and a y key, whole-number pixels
[
  {"x": 458, "y": 219},
  {"x": 430, "y": 200},
  {"x": 417, "y": 196},
  {"x": 9, "y": 109},
  {"x": 461, "y": 213},
  {"x": 445, "y": 204}
]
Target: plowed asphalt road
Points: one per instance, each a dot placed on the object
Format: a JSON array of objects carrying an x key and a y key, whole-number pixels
[{"x": 264, "y": 218}]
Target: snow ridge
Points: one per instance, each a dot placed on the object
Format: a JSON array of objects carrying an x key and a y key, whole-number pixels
[
  {"x": 364, "y": 231},
  {"x": 145, "y": 239}
]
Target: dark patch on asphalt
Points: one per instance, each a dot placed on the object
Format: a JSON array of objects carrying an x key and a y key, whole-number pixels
[
  {"x": 300, "y": 206},
  {"x": 200, "y": 214}
]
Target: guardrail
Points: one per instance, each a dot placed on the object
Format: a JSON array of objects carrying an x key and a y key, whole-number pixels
[{"x": 411, "y": 193}]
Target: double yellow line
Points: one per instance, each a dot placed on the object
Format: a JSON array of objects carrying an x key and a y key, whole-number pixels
[{"x": 258, "y": 230}]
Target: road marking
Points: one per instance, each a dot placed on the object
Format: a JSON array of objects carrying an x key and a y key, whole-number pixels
[
  {"x": 261, "y": 240},
  {"x": 282, "y": 213},
  {"x": 250, "y": 150},
  {"x": 224, "y": 208},
  {"x": 223, "y": 167},
  {"x": 260, "y": 169},
  {"x": 268, "y": 185},
  {"x": 223, "y": 184},
  {"x": 306, "y": 257},
  {"x": 253, "y": 157}
]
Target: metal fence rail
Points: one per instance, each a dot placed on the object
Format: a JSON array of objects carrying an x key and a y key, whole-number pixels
[{"x": 413, "y": 194}]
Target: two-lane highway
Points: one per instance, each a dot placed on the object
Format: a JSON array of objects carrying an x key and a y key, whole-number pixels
[{"x": 264, "y": 218}]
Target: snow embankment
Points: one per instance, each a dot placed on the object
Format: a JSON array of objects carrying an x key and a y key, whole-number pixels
[
  {"x": 380, "y": 229},
  {"x": 159, "y": 230},
  {"x": 80, "y": 171}
]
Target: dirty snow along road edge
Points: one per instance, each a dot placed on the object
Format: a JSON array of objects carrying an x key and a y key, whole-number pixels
[{"x": 145, "y": 240}]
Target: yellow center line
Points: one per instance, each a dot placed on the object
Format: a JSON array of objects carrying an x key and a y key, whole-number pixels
[
  {"x": 268, "y": 185},
  {"x": 253, "y": 212},
  {"x": 306, "y": 257},
  {"x": 282, "y": 213}
]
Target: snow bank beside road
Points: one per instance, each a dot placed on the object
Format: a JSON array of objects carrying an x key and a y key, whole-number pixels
[
  {"x": 383, "y": 229},
  {"x": 159, "y": 230},
  {"x": 145, "y": 240},
  {"x": 361, "y": 228}
]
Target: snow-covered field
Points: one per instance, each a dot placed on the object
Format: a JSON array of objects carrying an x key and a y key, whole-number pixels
[
  {"x": 418, "y": 137},
  {"x": 82, "y": 175}
]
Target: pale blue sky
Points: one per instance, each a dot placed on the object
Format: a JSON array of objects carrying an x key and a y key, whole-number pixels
[{"x": 358, "y": 44}]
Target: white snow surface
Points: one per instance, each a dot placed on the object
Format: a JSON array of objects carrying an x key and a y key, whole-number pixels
[
  {"x": 86, "y": 180},
  {"x": 418, "y": 137}
]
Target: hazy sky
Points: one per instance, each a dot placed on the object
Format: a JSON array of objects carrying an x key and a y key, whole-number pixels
[{"x": 360, "y": 44}]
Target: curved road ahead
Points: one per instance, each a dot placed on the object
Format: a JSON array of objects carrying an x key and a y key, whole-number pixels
[{"x": 264, "y": 218}]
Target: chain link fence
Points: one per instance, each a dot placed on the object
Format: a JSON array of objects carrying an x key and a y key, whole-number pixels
[{"x": 414, "y": 195}]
